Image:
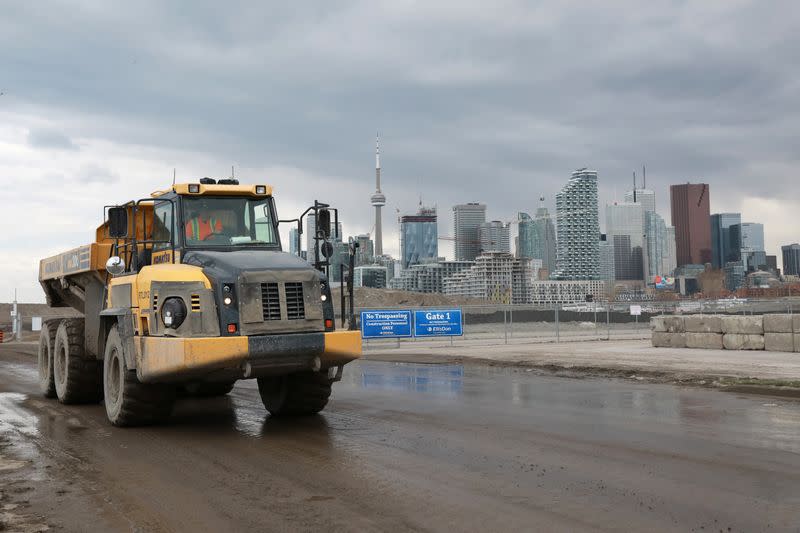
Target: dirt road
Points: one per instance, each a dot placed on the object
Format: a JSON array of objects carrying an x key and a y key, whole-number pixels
[{"x": 408, "y": 447}]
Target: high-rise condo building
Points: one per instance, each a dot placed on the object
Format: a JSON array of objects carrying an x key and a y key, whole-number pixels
[
  {"x": 419, "y": 236},
  {"x": 467, "y": 219},
  {"x": 578, "y": 228}
]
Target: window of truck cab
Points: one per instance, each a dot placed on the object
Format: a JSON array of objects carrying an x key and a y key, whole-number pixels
[
  {"x": 163, "y": 225},
  {"x": 228, "y": 221}
]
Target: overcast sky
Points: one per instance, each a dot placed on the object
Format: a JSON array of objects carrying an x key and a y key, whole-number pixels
[{"x": 475, "y": 101}]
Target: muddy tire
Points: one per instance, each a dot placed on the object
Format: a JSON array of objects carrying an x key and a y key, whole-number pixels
[
  {"x": 77, "y": 379},
  {"x": 303, "y": 393},
  {"x": 47, "y": 341},
  {"x": 128, "y": 401},
  {"x": 208, "y": 390}
]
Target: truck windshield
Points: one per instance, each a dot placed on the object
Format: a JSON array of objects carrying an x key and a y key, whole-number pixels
[{"x": 228, "y": 221}]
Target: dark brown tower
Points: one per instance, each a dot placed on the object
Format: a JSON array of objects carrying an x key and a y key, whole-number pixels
[{"x": 691, "y": 217}]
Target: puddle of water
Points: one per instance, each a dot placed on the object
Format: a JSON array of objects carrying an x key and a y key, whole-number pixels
[
  {"x": 17, "y": 427},
  {"x": 442, "y": 380},
  {"x": 15, "y": 419}
]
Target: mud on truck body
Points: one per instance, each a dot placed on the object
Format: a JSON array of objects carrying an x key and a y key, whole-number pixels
[{"x": 189, "y": 290}]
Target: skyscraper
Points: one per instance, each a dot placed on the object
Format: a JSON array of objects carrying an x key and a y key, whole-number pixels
[
  {"x": 725, "y": 246},
  {"x": 467, "y": 218},
  {"x": 691, "y": 218},
  {"x": 625, "y": 228},
  {"x": 524, "y": 240},
  {"x": 494, "y": 237},
  {"x": 378, "y": 199},
  {"x": 670, "y": 258},
  {"x": 419, "y": 236},
  {"x": 660, "y": 252},
  {"x": 607, "y": 269},
  {"x": 578, "y": 255},
  {"x": 751, "y": 236},
  {"x": 365, "y": 253},
  {"x": 646, "y": 197},
  {"x": 294, "y": 241},
  {"x": 546, "y": 237},
  {"x": 537, "y": 237},
  {"x": 791, "y": 259},
  {"x": 311, "y": 232},
  {"x": 659, "y": 239}
]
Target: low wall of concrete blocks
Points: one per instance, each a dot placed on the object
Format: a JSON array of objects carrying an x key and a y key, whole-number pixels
[{"x": 775, "y": 333}]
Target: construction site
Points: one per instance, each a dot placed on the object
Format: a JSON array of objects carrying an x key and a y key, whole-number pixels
[{"x": 399, "y": 267}]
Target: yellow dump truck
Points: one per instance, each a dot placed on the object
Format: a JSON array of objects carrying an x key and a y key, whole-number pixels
[{"x": 189, "y": 290}]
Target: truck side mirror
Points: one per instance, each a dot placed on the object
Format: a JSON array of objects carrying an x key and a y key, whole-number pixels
[
  {"x": 324, "y": 222},
  {"x": 117, "y": 222}
]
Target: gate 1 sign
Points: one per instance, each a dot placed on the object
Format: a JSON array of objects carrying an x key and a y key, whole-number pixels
[
  {"x": 434, "y": 323},
  {"x": 385, "y": 324}
]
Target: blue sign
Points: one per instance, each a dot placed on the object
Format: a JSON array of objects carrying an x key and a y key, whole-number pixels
[
  {"x": 441, "y": 322},
  {"x": 385, "y": 324}
]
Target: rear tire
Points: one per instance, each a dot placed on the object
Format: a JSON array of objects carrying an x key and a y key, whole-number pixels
[
  {"x": 303, "y": 393},
  {"x": 208, "y": 390},
  {"x": 128, "y": 401},
  {"x": 47, "y": 341},
  {"x": 77, "y": 379}
]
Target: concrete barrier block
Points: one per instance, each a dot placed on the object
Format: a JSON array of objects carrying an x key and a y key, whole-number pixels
[
  {"x": 777, "y": 323},
  {"x": 781, "y": 342},
  {"x": 669, "y": 340},
  {"x": 703, "y": 324},
  {"x": 737, "y": 341},
  {"x": 668, "y": 324},
  {"x": 744, "y": 325},
  {"x": 711, "y": 341}
]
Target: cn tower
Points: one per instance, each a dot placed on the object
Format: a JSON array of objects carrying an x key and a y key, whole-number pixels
[{"x": 378, "y": 199}]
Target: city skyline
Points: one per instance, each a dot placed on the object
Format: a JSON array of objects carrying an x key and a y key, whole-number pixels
[{"x": 635, "y": 256}]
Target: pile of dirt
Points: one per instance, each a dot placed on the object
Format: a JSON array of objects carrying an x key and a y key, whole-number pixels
[{"x": 366, "y": 298}]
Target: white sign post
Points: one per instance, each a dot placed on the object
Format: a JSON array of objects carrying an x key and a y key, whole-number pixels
[
  {"x": 636, "y": 310},
  {"x": 36, "y": 323}
]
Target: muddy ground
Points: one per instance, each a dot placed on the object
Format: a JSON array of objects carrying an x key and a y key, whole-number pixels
[{"x": 408, "y": 447}]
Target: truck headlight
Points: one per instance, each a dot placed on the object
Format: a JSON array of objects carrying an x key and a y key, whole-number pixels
[{"x": 173, "y": 312}]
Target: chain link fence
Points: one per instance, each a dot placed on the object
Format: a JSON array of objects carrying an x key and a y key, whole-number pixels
[{"x": 523, "y": 324}]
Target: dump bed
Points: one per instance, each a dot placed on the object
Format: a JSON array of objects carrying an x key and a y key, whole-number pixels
[
  {"x": 82, "y": 259},
  {"x": 67, "y": 276}
]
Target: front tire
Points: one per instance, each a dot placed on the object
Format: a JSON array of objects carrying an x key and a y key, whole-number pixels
[
  {"x": 303, "y": 393},
  {"x": 47, "y": 341},
  {"x": 128, "y": 401},
  {"x": 77, "y": 379}
]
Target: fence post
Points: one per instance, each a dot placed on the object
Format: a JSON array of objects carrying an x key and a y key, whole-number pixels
[
  {"x": 558, "y": 332},
  {"x": 505, "y": 324},
  {"x": 608, "y": 320},
  {"x": 511, "y": 320}
]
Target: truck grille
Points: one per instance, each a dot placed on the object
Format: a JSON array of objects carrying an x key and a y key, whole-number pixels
[
  {"x": 295, "y": 309},
  {"x": 270, "y": 301}
]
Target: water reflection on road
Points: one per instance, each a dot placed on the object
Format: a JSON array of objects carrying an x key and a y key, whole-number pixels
[{"x": 443, "y": 380}]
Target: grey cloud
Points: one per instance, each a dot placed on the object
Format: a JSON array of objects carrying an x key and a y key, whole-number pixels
[
  {"x": 50, "y": 139},
  {"x": 96, "y": 174}
]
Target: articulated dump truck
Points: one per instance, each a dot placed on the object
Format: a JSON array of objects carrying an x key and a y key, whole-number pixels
[{"x": 187, "y": 292}]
